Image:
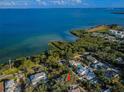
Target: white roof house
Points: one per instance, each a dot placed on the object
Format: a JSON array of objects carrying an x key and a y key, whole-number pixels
[
  {"x": 92, "y": 59},
  {"x": 118, "y": 34},
  {"x": 113, "y": 32},
  {"x": 36, "y": 78},
  {"x": 11, "y": 86}
]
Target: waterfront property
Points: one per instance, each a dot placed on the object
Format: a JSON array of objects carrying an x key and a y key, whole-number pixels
[
  {"x": 117, "y": 34},
  {"x": 36, "y": 78}
]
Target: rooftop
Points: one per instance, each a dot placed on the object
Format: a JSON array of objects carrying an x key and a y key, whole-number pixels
[
  {"x": 87, "y": 73},
  {"x": 120, "y": 60},
  {"x": 90, "y": 74},
  {"x": 92, "y": 59},
  {"x": 37, "y": 77},
  {"x": 11, "y": 86},
  {"x": 74, "y": 88},
  {"x": 110, "y": 74},
  {"x": 1, "y": 87},
  {"x": 99, "y": 65},
  {"x": 74, "y": 63}
]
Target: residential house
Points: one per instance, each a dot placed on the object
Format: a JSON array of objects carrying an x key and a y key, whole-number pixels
[
  {"x": 95, "y": 81},
  {"x": 81, "y": 70},
  {"x": 86, "y": 53},
  {"x": 99, "y": 65},
  {"x": 97, "y": 34},
  {"x": 110, "y": 38},
  {"x": 1, "y": 87},
  {"x": 90, "y": 74},
  {"x": 12, "y": 86},
  {"x": 120, "y": 60},
  {"x": 74, "y": 88},
  {"x": 106, "y": 36},
  {"x": 105, "y": 89},
  {"x": 85, "y": 73},
  {"x": 111, "y": 73},
  {"x": 74, "y": 63},
  {"x": 36, "y": 78},
  {"x": 117, "y": 34},
  {"x": 92, "y": 59}
]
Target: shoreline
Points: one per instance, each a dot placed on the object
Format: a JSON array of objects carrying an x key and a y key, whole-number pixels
[
  {"x": 71, "y": 34},
  {"x": 62, "y": 57},
  {"x": 68, "y": 37}
]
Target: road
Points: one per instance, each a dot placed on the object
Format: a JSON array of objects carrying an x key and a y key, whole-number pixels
[{"x": 6, "y": 76}]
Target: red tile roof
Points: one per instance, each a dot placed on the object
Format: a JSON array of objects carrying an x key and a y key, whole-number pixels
[{"x": 1, "y": 87}]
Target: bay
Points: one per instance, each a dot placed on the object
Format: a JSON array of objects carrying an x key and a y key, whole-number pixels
[{"x": 25, "y": 32}]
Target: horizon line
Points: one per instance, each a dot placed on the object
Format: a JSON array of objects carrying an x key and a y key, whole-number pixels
[{"x": 61, "y": 7}]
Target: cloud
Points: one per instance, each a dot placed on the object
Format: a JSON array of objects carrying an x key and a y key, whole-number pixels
[
  {"x": 77, "y": 1},
  {"x": 58, "y": 2},
  {"x": 41, "y": 3},
  {"x": 66, "y": 2},
  {"x": 13, "y": 3}
]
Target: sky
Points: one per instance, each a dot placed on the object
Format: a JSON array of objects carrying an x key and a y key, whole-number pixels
[{"x": 61, "y": 3}]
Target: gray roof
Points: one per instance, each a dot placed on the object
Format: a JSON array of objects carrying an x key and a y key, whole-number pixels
[
  {"x": 37, "y": 77},
  {"x": 11, "y": 86},
  {"x": 92, "y": 59},
  {"x": 99, "y": 65}
]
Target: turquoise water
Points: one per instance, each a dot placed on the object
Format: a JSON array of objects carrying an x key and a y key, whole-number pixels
[{"x": 27, "y": 31}]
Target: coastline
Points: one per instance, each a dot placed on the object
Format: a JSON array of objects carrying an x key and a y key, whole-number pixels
[
  {"x": 70, "y": 34},
  {"x": 91, "y": 47},
  {"x": 14, "y": 39},
  {"x": 74, "y": 37}
]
